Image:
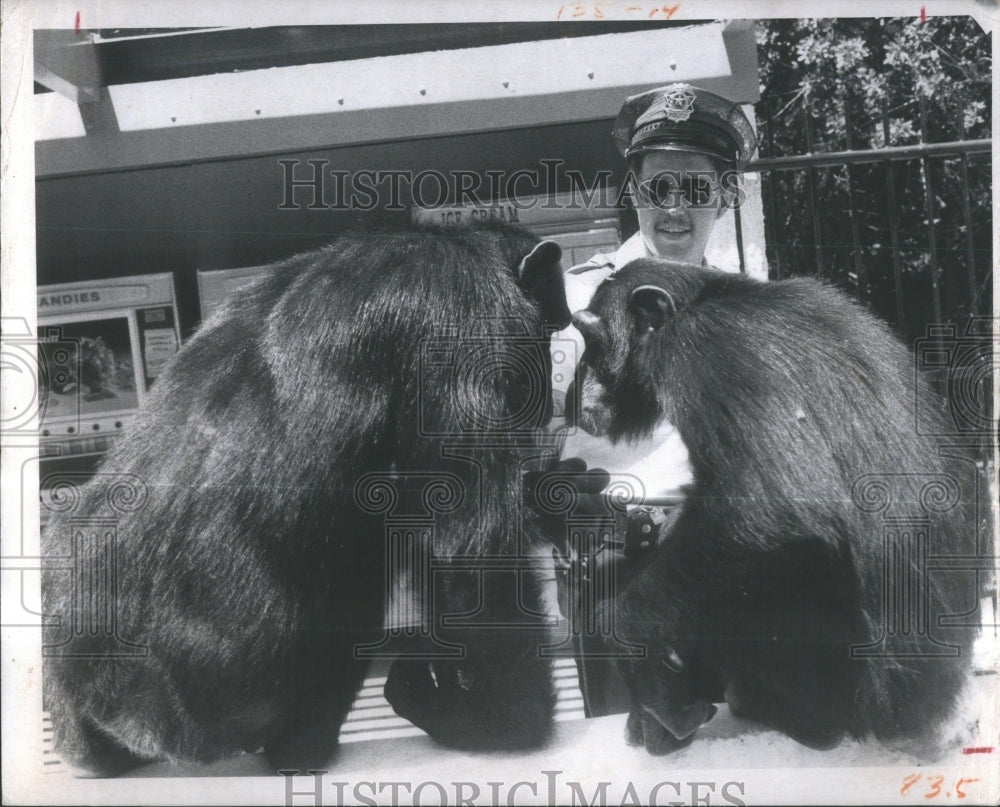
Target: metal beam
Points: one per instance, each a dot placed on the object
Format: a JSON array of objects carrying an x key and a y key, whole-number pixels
[
  {"x": 402, "y": 97},
  {"x": 66, "y": 63},
  {"x": 835, "y": 159},
  {"x": 200, "y": 51}
]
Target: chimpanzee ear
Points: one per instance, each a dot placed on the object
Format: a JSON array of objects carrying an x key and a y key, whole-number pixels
[
  {"x": 650, "y": 306},
  {"x": 593, "y": 328},
  {"x": 543, "y": 257}
]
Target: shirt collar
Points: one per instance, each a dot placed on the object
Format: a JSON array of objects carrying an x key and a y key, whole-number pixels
[{"x": 633, "y": 249}]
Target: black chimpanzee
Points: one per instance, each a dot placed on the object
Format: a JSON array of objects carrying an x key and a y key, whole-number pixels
[
  {"x": 795, "y": 583},
  {"x": 246, "y": 569}
]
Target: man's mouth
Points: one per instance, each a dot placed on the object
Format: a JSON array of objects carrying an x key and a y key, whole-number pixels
[{"x": 673, "y": 229}]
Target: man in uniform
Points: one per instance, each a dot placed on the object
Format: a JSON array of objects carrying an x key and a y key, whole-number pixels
[{"x": 684, "y": 147}]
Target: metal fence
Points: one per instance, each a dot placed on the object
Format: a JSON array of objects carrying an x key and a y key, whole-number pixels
[{"x": 904, "y": 227}]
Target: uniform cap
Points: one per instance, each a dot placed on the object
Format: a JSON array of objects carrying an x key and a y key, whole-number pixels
[{"x": 680, "y": 117}]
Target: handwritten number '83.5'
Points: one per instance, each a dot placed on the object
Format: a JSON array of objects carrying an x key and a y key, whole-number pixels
[{"x": 934, "y": 785}]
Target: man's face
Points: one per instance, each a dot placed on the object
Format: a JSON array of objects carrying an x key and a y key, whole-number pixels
[{"x": 673, "y": 226}]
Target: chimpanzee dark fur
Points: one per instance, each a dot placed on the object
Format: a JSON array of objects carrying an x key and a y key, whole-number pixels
[
  {"x": 797, "y": 410},
  {"x": 249, "y": 573}
]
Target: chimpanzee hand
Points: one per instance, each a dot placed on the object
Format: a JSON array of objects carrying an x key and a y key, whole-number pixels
[
  {"x": 496, "y": 698},
  {"x": 565, "y": 487},
  {"x": 665, "y": 712},
  {"x": 417, "y": 693}
]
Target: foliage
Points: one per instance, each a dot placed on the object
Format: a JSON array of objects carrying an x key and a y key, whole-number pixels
[
  {"x": 876, "y": 66},
  {"x": 857, "y": 84}
]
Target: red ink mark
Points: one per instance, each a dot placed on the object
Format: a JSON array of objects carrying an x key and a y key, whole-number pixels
[
  {"x": 76, "y": 25},
  {"x": 958, "y": 786},
  {"x": 983, "y": 749},
  {"x": 935, "y": 786},
  {"x": 923, "y": 14},
  {"x": 908, "y": 782}
]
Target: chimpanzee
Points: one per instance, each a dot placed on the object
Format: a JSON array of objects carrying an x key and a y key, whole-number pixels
[
  {"x": 795, "y": 582},
  {"x": 245, "y": 568}
]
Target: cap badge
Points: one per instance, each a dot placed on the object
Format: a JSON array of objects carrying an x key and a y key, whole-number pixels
[{"x": 678, "y": 103}]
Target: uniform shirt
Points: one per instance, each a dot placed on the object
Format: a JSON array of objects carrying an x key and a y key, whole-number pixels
[{"x": 658, "y": 465}]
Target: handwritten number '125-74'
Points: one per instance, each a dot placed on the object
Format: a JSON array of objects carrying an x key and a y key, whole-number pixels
[
  {"x": 934, "y": 785},
  {"x": 599, "y": 11}
]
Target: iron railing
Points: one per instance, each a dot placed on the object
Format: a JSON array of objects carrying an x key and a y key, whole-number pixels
[{"x": 905, "y": 228}]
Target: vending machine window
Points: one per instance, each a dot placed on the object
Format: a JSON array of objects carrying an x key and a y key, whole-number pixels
[{"x": 101, "y": 346}]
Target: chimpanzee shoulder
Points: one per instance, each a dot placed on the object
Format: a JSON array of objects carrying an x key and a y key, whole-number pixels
[
  {"x": 798, "y": 411},
  {"x": 249, "y": 564}
]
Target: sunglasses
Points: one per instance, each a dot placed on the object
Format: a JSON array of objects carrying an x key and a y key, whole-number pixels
[{"x": 667, "y": 190}]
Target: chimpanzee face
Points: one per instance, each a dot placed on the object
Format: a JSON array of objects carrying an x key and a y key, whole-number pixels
[
  {"x": 622, "y": 379},
  {"x": 597, "y": 375}
]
